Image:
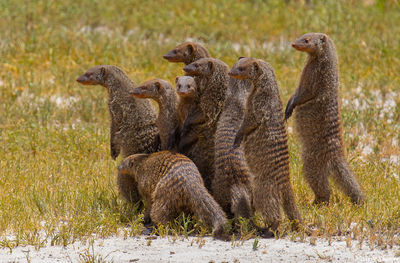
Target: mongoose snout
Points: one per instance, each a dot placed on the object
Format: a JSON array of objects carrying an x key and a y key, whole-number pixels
[
  {"x": 191, "y": 69},
  {"x": 186, "y": 53},
  {"x": 93, "y": 76}
]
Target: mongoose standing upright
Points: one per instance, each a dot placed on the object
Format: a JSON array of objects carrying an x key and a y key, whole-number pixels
[
  {"x": 133, "y": 122},
  {"x": 317, "y": 120},
  {"x": 187, "y": 53},
  {"x": 212, "y": 81},
  {"x": 170, "y": 184},
  {"x": 186, "y": 88},
  {"x": 231, "y": 186},
  {"x": 164, "y": 94},
  {"x": 265, "y": 143}
]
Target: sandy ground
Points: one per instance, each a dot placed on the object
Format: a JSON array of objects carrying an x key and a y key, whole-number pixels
[{"x": 146, "y": 249}]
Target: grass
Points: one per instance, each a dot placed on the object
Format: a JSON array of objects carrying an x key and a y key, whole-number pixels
[{"x": 57, "y": 180}]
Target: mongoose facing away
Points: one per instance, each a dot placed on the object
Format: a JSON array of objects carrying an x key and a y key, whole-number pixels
[
  {"x": 133, "y": 122},
  {"x": 212, "y": 81},
  {"x": 265, "y": 143},
  {"x": 187, "y": 53},
  {"x": 170, "y": 184},
  {"x": 164, "y": 94},
  {"x": 231, "y": 186},
  {"x": 317, "y": 120}
]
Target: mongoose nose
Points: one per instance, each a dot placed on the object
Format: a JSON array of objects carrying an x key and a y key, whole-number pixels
[
  {"x": 293, "y": 45},
  {"x": 189, "y": 68},
  {"x": 134, "y": 92},
  {"x": 80, "y": 79}
]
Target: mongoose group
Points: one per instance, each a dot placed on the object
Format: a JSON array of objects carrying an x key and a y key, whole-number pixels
[{"x": 218, "y": 148}]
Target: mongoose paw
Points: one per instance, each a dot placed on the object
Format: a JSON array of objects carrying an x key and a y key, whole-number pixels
[{"x": 266, "y": 233}]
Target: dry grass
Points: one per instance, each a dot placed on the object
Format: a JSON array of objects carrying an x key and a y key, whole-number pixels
[{"x": 57, "y": 180}]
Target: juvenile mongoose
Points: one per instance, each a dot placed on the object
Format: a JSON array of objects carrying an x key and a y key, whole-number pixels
[
  {"x": 170, "y": 184},
  {"x": 164, "y": 94},
  {"x": 187, "y": 53},
  {"x": 133, "y": 122},
  {"x": 265, "y": 143},
  {"x": 212, "y": 81},
  {"x": 186, "y": 88},
  {"x": 317, "y": 120},
  {"x": 231, "y": 186}
]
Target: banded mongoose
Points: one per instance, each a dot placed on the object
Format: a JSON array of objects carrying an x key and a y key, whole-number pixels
[
  {"x": 212, "y": 81},
  {"x": 231, "y": 186},
  {"x": 187, "y": 53},
  {"x": 186, "y": 88},
  {"x": 265, "y": 143},
  {"x": 170, "y": 184},
  {"x": 317, "y": 120},
  {"x": 164, "y": 94},
  {"x": 133, "y": 122}
]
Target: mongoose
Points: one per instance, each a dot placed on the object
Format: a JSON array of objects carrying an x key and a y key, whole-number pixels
[
  {"x": 186, "y": 88},
  {"x": 170, "y": 184},
  {"x": 212, "y": 81},
  {"x": 317, "y": 120},
  {"x": 164, "y": 94},
  {"x": 231, "y": 185},
  {"x": 265, "y": 143},
  {"x": 133, "y": 122},
  {"x": 187, "y": 53}
]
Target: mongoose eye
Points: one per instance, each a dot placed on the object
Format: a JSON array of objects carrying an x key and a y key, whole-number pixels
[
  {"x": 307, "y": 40},
  {"x": 240, "y": 69},
  {"x": 179, "y": 86}
]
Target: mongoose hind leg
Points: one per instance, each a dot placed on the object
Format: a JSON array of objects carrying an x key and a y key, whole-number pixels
[
  {"x": 163, "y": 210},
  {"x": 266, "y": 200},
  {"x": 317, "y": 178},
  {"x": 346, "y": 180},
  {"x": 241, "y": 202}
]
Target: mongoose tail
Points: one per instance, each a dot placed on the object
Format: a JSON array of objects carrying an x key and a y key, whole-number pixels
[{"x": 187, "y": 53}]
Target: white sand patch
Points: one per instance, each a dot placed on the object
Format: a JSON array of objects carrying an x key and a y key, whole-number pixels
[
  {"x": 63, "y": 102},
  {"x": 140, "y": 249}
]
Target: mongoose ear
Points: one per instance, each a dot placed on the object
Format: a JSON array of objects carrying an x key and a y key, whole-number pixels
[
  {"x": 256, "y": 65},
  {"x": 323, "y": 38},
  {"x": 210, "y": 65},
  {"x": 190, "y": 48},
  {"x": 176, "y": 80},
  {"x": 102, "y": 72},
  {"x": 240, "y": 58},
  {"x": 158, "y": 85}
]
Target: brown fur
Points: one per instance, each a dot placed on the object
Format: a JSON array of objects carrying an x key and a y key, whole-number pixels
[
  {"x": 212, "y": 81},
  {"x": 231, "y": 185},
  {"x": 265, "y": 143},
  {"x": 317, "y": 120},
  {"x": 187, "y": 53},
  {"x": 170, "y": 184},
  {"x": 164, "y": 94},
  {"x": 133, "y": 128}
]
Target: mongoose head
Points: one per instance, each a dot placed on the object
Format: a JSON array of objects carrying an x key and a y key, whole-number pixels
[
  {"x": 246, "y": 68},
  {"x": 202, "y": 67},
  {"x": 186, "y": 53},
  {"x": 185, "y": 86},
  {"x": 312, "y": 43},
  {"x": 152, "y": 89},
  {"x": 94, "y": 76},
  {"x": 131, "y": 165}
]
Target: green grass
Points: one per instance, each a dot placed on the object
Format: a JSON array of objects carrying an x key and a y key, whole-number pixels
[{"x": 57, "y": 180}]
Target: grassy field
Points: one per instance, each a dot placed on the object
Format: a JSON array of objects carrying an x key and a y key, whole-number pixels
[{"x": 57, "y": 179}]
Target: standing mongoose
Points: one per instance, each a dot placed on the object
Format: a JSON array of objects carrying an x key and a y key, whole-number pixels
[
  {"x": 188, "y": 95},
  {"x": 133, "y": 122},
  {"x": 212, "y": 81},
  {"x": 164, "y": 94},
  {"x": 265, "y": 143},
  {"x": 231, "y": 186},
  {"x": 170, "y": 184},
  {"x": 317, "y": 120},
  {"x": 187, "y": 53}
]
